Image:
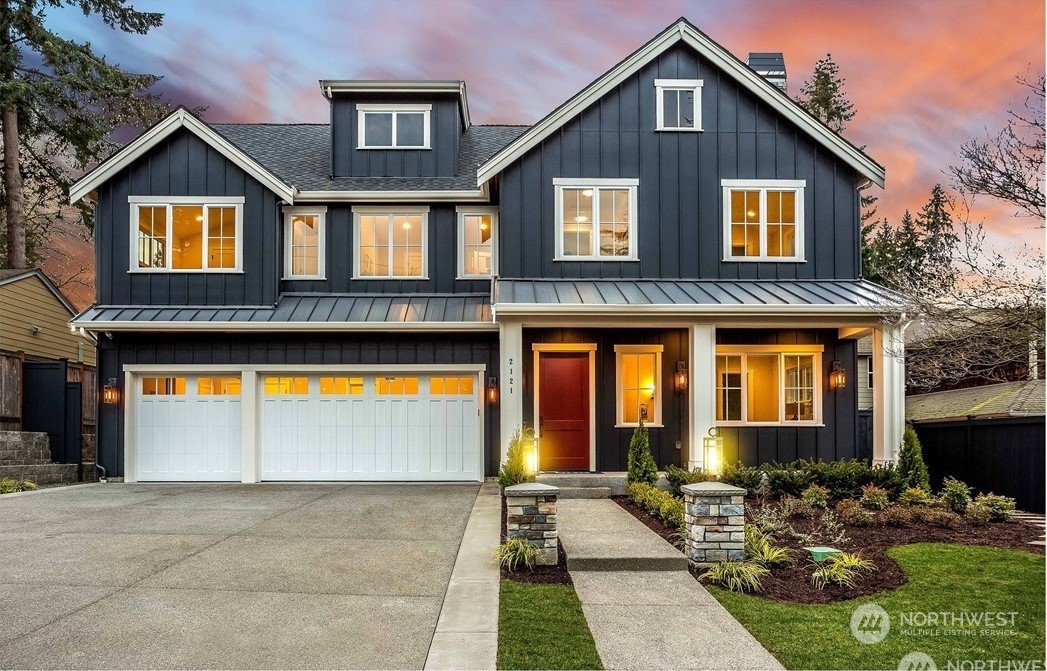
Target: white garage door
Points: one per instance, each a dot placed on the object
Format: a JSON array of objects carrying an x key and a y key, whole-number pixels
[
  {"x": 370, "y": 427},
  {"x": 187, "y": 427}
]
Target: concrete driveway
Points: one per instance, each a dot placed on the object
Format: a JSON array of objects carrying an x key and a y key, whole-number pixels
[{"x": 226, "y": 576}]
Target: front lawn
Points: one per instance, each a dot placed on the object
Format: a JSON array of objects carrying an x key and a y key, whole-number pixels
[
  {"x": 541, "y": 626},
  {"x": 952, "y": 581}
]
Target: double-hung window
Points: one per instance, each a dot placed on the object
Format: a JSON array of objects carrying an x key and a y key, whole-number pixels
[
  {"x": 186, "y": 234},
  {"x": 393, "y": 126},
  {"x": 679, "y": 104},
  {"x": 768, "y": 384},
  {"x": 763, "y": 220},
  {"x": 476, "y": 247},
  {"x": 596, "y": 219},
  {"x": 390, "y": 243},
  {"x": 639, "y": 370},
  {"x": 304, "y": 242}
]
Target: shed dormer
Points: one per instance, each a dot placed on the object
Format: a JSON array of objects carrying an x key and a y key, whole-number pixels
[{"x": 396, "y": 128}]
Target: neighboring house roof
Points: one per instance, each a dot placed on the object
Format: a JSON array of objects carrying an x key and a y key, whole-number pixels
[
  {"x": 865, "y": 345},
  {"x": 1007, "y": 399},
  {"x": 35, "y": 318},
  {"x": 683, "y": 31},
  {"x": 682, "y": 297},
  {"x": 305, "y": 312},
  {"x": 9, "y": 275}
]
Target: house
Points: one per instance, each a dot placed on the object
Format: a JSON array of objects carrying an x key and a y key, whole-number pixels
[
  {"x": 388, "y": 296},
  {"x": 34, "y": 319}
]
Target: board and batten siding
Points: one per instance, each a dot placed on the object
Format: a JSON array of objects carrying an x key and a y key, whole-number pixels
[
  {"x": 27, "y": 303},
  {"x": 679, "y": 198},
  {"x": 184, "y": 165}
]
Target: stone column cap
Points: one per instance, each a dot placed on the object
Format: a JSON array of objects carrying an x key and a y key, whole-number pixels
[
  {"x": 712, "y": 488},
  {"x": 532, "y": 489}
]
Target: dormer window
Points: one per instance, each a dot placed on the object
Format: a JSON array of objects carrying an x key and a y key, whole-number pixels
[
  {"x": 679, "y": 104},
  {"x": 393, "y": 126}
]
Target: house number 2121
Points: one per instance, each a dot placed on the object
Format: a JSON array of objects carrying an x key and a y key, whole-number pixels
[{"x": 512, "y": 378}]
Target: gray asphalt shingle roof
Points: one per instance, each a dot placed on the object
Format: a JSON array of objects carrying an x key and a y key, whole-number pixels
[
  {"x": 1007, "y": 399},
  {"x": 300, "y": 154}
]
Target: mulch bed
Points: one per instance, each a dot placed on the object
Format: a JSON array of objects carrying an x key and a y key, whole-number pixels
[
  {"x": 557, "y": 575},
  {"x": 793, "y": 583}
]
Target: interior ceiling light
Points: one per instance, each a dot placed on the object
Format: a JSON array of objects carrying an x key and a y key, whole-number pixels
[
  {"x": 588, "y": 193},
  {"x": 407, "y": 225},
  {"x": 581, "y": 217}
]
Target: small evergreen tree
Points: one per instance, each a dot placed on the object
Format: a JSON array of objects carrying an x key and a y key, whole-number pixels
[
  {"x": 514, "y": 470},
  {"x": 641, "y": 464},
  {"x": 910, "y": 462}
]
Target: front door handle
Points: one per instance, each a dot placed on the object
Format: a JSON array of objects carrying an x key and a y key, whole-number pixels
[{"x": 541, "y": 424}]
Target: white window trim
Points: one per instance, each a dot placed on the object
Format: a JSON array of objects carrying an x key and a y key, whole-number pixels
[
  {"x": 363, "y": 109},
  {"x": 463, "y": 212},
  {"x": 869, "y": 373},
  {"x": 763, "y": 185},
  {"x": 694, "y": 85},
  {"x": 391, "y": 212},
  {"x": 321, "y": 249},
  {"x": 782, "y": 351},
  {"x": 561, "y": 183},
  {"x": 136, "y": 202},
  {"x": 619, "y": 350}
]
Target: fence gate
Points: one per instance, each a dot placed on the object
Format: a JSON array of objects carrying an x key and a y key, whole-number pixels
[{"x": 53, "y": 406}]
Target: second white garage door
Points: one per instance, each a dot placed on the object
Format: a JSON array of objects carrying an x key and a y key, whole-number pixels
[{"x": 370, "y": 427}]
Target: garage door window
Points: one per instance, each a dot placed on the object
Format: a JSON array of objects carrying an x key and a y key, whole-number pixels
[
  {"x": 286, "y": 386},
  {"x": 396, "y": 386},
  {"x": 163, "y": 386},
  {"x": 451, "y": 386},
  {"x": 341, "y": 386},
  {"x": 218, "y": 386}
]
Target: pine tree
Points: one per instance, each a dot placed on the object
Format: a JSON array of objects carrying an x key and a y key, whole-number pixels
[
  {"x": 640, "y": 462},
  {"x": 938, "y": 242},
  {"x": 910, "y": 462},
  {"x": 822, "y": 95},
  {"x": 59, "y": 103}
]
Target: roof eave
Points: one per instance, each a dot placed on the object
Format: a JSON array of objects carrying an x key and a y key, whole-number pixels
[{"x": 260, "y": 327}]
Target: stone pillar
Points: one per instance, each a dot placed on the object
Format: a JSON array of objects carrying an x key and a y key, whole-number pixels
[
  {"x": 530, "y": 514},
  {"x": 715, "y": 521}
]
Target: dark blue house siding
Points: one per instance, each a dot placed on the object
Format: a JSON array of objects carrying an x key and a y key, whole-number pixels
[
  {"x": 440, "y": 160},
  {"x": 300, "y": 349},
  {"x": 679, "y": 196},
  {"x": 184, "y": 165}
]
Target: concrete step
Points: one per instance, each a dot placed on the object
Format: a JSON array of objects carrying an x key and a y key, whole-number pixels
[
  {"x": 599, "y": 535},
  {"x": 41, "y": 474},
  {"x": 615, "y": 482},
  {"x": 585, "y": 493}
]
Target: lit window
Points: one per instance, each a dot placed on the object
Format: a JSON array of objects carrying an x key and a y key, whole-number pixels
[
  {"x": 763, "y": 220},
  {"x": 639, "y": 371},
  {"x": 286, "y": 386},
  {"x": 396, "y": 386},
  {"x": 184, "y": 235},
  {"x": 476, "y": 242},
  {"x": 451, "y": 386},
  {"x": 218, "y": 386},
  {"x": 341, "y": 386},
  {"x": 163, "y": 386},
  {"x": 304, "y": 242},
  {"x": 679, "y": 104},
  {"x": 759, "y": 385},
  {"x": 390, "y": 244},
  {"x": 393, "y": 126},
  {"x": 596, "y": 219}
]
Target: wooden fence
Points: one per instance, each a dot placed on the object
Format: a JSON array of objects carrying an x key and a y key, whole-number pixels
[{"x": 11, "y": 364}]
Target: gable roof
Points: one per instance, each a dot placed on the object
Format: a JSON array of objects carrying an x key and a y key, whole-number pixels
[
  {"x": 683, "y": 31},
  {"x": 1008, "y": 399},
  {"x": 11, "y": 275},
  {"x": 180, "y": 118}
]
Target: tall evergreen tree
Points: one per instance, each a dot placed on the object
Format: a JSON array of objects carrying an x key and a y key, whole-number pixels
[
  {"x": 59, "y": 104},
  {"x": 822, "y": 95}
]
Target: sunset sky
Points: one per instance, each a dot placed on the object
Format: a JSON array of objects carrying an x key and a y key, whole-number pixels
[{"x": 924, "y": 76}]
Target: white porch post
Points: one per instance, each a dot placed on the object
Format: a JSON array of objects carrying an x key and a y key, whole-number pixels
[
  {"x": 701, "y": 390},
  {"x": 888, "y": 392},
  {"x": 249, "y": 466},
  {"x": 510, "y": 406}
]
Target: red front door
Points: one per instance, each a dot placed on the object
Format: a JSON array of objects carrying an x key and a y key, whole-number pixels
[{"x": 563, "y": 411}]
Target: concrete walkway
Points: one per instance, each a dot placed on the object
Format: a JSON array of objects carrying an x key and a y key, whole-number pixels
[{"x": 644, "y": 611}]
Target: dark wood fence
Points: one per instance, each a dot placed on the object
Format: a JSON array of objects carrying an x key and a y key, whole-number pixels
[{"x": 1002, "y": 455}]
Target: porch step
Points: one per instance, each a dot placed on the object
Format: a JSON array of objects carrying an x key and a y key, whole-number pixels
[{"x": 585, "y": 492}]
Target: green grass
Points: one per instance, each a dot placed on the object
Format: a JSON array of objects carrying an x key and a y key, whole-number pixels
[
  {"x": 543, "y": 627},
  {"x": 942, "y": 578}
]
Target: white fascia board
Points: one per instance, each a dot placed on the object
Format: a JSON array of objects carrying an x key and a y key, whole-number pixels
[
  {"x": 481, "y": 195},
  {"x": 682, "y": 31},
  {"x": 542, "y": 309},
  {"x": 331, "y": 86},
  {"x": 284, "y": 327},
  {"x": 180, "y": 118}
]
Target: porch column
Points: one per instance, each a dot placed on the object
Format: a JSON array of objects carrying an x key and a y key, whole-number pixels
[
  {"x": 888, "y": 391},
  {"x": 249, "y": 466},
  {"x": 701, "y": 390},
  {"x": 510, "y": 405}
]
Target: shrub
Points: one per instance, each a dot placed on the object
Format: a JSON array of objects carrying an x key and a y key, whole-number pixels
[
  {"x": 914, "y": 496},
  {"x": 894, "y": 516},
  {"x": 873, "y": 497},
  {"x": 514, "y": 552},
  {"x": 955, "y": 494},
  {"x": 910, "y": 462},
  {"x": 736, "y": 576},
  {"x": 816, "y": 495},
  {"x": 843, "y": 478},
  {"x": 658, "y": 503},
  {"x": 748, "y": 478},
  {"x": 936, "y": 516},
  {"x": 9, "y": 486},
  {"x": 514, "y": 470},
  {"x": 827, "y": 530},
  {"x": 886, "y": 477},
  {"x": 784, "y": 480},
  {"x": 841, "y": 569},
  {"x": 771, "y": 522},
  {"x": 758, "y": 548},
  {"x": 851, "y": 512},
  {"x": 977, "y": 514},
  {"x": 641, "y": 463},
  {"x": 678, "y": 477},
  {"x": 999, "y": 507},
  {"x": 793, "y": 508}
]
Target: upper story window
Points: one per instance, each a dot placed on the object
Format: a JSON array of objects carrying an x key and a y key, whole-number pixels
[
  {"x": 596, "y": 219},
  {"x": 304, "y": 242},
  {"x": 679, "y": 104},
  {"x": 186, "y": 234},
  {"x": 763, "y": 219},
  {"x": 476, "y": 250},
  {"x": 393, "y": 126},
  {"x": 767, "y": 384},
  {"x": 390, "y": 243}
]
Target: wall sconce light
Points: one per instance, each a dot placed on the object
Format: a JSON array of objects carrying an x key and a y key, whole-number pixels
[
  {"x": 680, "y": 378},
  {"x": 712, "y": 452},
  {"x": 492, "y": 390},
  {"x": 530, "y": 450},
  {"x": 110, "y": 392},
  {"x": 838, "y": 376}
]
